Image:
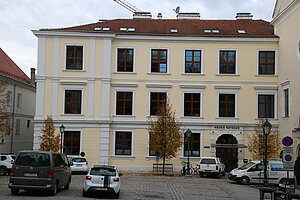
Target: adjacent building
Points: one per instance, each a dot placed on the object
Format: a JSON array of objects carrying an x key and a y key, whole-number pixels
[
  {"x": 103, "y": 81},
  {"x": 286, "y": 25},
  {"x": 20, "y": 105}
]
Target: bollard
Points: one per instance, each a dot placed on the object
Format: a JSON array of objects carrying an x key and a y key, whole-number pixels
[{"x": 266, "y": 193}]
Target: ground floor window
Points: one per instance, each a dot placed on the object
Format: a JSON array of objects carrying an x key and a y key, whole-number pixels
[
  {"x": 71, "y": 142},
  {"x": 123, "y": 143},
  {"x": 194, "y": 145}
]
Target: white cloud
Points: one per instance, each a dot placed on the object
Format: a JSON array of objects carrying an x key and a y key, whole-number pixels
[{"x": 18, "y": 18}]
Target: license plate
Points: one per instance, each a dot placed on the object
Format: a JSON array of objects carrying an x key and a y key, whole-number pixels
[
  {"x": 78, "y": 165},
  {"x": 101, "y": 189},
  {"x": 30, "y": 174}
]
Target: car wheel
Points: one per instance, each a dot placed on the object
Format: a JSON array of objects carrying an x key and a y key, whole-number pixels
[
  {"x": 54, "y": 190},
  {"x": 283, "y": 181},
  {"x": 3, "y": 171},
  {"x": 201, "y": 174},
  {"x": 218, "y": 175},
  {"x": 84, "y": 193},
  {"x": 66, "y": 187},
  {"x": 15, "y": 191},
  {"x": 117, "y": 195},
  {"x": 245, "y": 180}
]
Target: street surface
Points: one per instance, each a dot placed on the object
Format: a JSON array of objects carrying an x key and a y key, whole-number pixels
[{"x": 139, "y": 186}]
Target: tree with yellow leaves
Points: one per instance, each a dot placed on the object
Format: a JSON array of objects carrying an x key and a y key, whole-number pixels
[
  {"x": 4, "y": 114},
  {"x": 165, "y": 134},
  {"x": 50, "y": 141},
  {"x": 257, "y": 140}
]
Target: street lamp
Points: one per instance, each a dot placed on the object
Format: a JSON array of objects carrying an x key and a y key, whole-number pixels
[
  {"x": 266, "y": 130},
  {"x": 188, "y": 134},
  {"x": 62, "y": 130}
]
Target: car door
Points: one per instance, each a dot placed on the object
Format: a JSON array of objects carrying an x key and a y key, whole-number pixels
[
  {"x": 256, "y": 173},
  {"x": 59, "y": 169}
]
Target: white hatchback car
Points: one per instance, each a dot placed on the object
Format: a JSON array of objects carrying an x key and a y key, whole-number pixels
[
  {"x": 102, "y": 179},
  {"x": 79, "y": 164},
  {"x": 6, "y": 162}
]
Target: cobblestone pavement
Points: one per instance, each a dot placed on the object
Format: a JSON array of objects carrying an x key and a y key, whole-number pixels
[{"x": 138, "y": 186}]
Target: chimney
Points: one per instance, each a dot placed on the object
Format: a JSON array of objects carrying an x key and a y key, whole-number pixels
[
  {"x": 142, "y": 15},
  {"x": 32, "y": 76},
  {"x": 243, "y": 16},
  {"x": 188, "y": 16},
  {"x": 159, "y": 16}
]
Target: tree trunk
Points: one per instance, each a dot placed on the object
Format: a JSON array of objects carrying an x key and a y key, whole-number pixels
[{"x": 164, "y": 161}]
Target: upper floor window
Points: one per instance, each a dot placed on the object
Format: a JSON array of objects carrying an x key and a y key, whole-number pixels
[
  {"x": 266, "y": 63},
  {"x": 73, "y": 101},
  {"x": 227, "y": 62},
  {"x": 123, "y": 143},
  {"x": 193, "y": 61},
  {"x": 286, "y": 102},
  {"x": 8, "y": 98},
  {"x": 19, "y": 100},
  {"x": 157, "y": 99},
  {"x": 18, "y": 124},
  {"x": 74, "y": 57},
  {"x": 125, "y": 60},
  {"x": 192, "y": 104},
  {"x": 226, "y": 105},
  {"x": 71, "y": 142},
  {"x": 194, "y": 145},
  {"x": 124, "y": 103},
  {"x": 266, "y": 106},
  {"x": 159, "y": 60}
]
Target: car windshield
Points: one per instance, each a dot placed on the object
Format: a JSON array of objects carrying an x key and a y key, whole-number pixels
[
  {"x": 78, "y": 160},
  {"x": 208, "y": 161},
  {"x": 33, "y": 159},
  {"x": 103, "y": 172},
  {"x": 13, "y": 157},
  {"x": 247, "y": 165}
]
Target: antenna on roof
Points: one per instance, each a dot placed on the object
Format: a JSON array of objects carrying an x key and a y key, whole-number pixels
[{"x": 177, "y": 10}]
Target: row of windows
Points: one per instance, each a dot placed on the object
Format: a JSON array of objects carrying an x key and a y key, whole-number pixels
[
  {"x": 159, "y": 60},
  {"x": 192, "y": 103},
  {"x": 123, "y": 144}
]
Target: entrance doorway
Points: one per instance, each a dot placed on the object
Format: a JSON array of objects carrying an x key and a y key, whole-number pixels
[{"x": 227, "y": 150}]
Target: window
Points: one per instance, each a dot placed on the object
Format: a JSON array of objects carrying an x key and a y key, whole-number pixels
[
  {"x": 227, "y": 62},
  {"x": 125, "y": 60},
  {"x": 28, "y": 123},
  {"x": 157, "y": 99},
  {"x": 74, "y": 57},
  {"x": 266, "y": 106},
  {"x": 123, "y": 143},
  {"x": 266, "y": 63},
  {"x": 18, "y": 121},
  {"x": 124, "y": 103},
  {"x": 192, "y": 61},
  {"x": 73, "y": 101},
  {"x": 192, "y": 104},
  {"x": 71, "y": 142},
  {"x": 19, "y": 100},
  {"x": 151, "y": 151},
  {"x": 8, "y": 98},
  {"x": 194, "y": 145},
  {"x": 159, "y": 60},
  {"x": 226, "y": 105},
  {"x": 286, "y": 103}
]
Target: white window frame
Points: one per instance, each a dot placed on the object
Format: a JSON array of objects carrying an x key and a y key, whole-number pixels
[
  {"x": 124, "y": 89},
  {"x": 168, "y": 60},
  {"x": 257, "y": 62},
  {"x": 286, "y": 87},
  {"x": 81, "y": 138},
  {"x": 73, "y": 86},
  {"x": 189, "y": 91},
  {"x": 162, "y": 90},
  {"x": 201, "y": 144},
  {"x": 9, "y": 98},
  {"x": 18, "y": 126},
  {"x": 114, "y": 143},
  {"x": 227, "y": 90},
  {"x": 19, "y": 100},
  {"x": 134, "y": 58},
  {"x": 83, "y": 56},
  {"x": 201, "y": 62},
  {"x": 267, "y": 91},
  {"x": 236, "y": 61}
]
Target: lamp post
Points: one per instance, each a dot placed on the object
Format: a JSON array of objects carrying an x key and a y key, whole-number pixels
[
  {"x": 62, "y": 130},
  {"x": 266, "y": 130},
  {"x": 188, "y": 134}
]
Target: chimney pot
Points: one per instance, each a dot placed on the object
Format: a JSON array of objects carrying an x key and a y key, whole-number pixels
[
  {"x": 159, "y": 16},
  {"x": 32, "y": 76},
  {"x": 243, "y": 16}
]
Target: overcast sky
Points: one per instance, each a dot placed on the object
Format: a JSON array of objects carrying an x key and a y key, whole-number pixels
[{"x": 19, "y": 17}]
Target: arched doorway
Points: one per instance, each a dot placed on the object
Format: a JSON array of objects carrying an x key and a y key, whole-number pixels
[{"x": 227, "y": 150}]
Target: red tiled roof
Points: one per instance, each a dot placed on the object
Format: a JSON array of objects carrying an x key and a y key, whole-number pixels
[
  {"x": 259, "y": 28},
  {"x": 10, "y": 69}
]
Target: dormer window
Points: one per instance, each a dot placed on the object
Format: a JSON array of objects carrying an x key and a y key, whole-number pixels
[
  {"x": 215, "y": 31},
  {"x": 241, "y": 31},
  {"x": 207, "y": 31},
  {"x": 174, "y": 30},
  {"x": 123, "y": 29}
]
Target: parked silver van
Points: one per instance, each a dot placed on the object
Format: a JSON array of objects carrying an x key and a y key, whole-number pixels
[{"x": 40, "y": 170}]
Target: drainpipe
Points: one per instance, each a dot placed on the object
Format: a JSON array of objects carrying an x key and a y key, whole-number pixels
[{"x": 13, "y": 121}]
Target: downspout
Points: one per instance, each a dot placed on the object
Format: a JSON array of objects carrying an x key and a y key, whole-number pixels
[{"x": 13, "y": 121}]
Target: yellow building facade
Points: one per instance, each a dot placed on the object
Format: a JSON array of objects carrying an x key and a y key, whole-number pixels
[{"x": 103, "y": 81}]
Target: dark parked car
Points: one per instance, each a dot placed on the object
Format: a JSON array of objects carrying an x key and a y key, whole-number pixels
[{"x": 40, "y": 170}]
